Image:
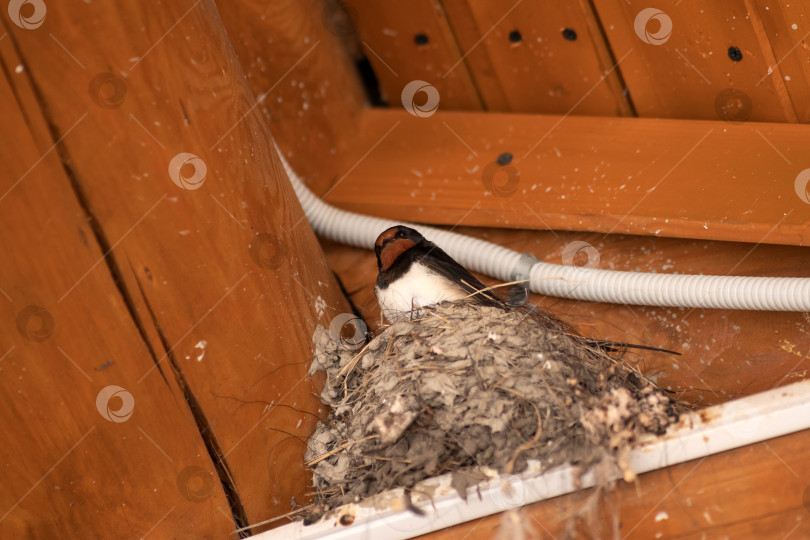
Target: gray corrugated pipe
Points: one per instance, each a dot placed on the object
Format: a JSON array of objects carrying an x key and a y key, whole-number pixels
[{"x": 679, "y": 290}]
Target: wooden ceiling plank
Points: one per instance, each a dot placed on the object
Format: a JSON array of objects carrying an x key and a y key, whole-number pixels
[
  {"x": 676, "y": 178},
  {"x": 766, "y": 49},
  {"x": 412, "y": 41},
  {"x": 788, "y": 28},
  {"x": 689, "y": 72},
  {"x": 538, "y": 57},
  {"x": 608, "y": 62}
]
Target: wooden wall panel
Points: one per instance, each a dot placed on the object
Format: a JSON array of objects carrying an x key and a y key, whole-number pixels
[
  {"x": 787, "y": 26},
  {"x": 214, "y": 258},
  {"x": 292, "y": 55},
  {"x": 393, "y": 36},
  {"x": 688, "y": 73},
  {"x": 67, "y": 471},
  {"x": 538, "y": 57},
  {"x": 677, "y": 178}
]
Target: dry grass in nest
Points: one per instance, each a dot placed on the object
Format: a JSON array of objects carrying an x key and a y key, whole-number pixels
[{"x": 467, "y": 387}]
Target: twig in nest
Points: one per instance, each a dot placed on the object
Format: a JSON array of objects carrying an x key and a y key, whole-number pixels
[
  {"x": 498, "y": 386},
  {"x": 271, "y": 520},
  {"x": 496, "y": 286},
  {"x": 433, "y": 313},
  {"x": 528, "y": 444},
  {"x": 348, "y": 367},
  {"x": 339, "y": 448},
  {"x": 383, "y": 458}
]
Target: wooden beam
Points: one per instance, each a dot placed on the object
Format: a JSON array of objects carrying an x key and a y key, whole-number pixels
[
  {"x": 676, "y": 178},
  {"x": 69, "y": 470},
  {"x": 214, "y": 259},
  {"x": 311, "y": 95}
]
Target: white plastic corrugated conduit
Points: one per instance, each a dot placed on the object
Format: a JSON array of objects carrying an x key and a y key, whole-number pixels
[{"x": 678, "y": 290}]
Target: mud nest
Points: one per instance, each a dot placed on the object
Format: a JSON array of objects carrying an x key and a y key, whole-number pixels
[{"x": 465, "y": 388}]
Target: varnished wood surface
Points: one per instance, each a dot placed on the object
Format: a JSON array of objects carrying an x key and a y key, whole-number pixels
[
  {"x": 673, "y": 178},
  {"x": 538, "y": 57},
  {"x": 725, "y": 353},
  {"x": 787, "y": 25},
  {"x": 69, "y": 472},
  {"x": 684, "y": 75},
  {"x": 201, "y": 303},
  {"x": 407, "y": 41},
  {"x": 310, "y": 93}
]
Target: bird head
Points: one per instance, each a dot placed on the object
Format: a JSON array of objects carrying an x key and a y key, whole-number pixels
[{"x": 392, "y": 243}]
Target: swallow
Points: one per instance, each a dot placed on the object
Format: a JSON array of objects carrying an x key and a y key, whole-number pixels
[{"x": 414, "y": 272}]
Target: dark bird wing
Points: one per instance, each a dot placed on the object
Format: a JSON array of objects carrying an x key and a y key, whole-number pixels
[{"x": 443, "y": 264}]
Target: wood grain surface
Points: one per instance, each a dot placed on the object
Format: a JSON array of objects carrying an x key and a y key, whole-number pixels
[
  {"x": 787, "y": 26},
  {"x": 675, "y": 178},
  {"x": 195, "y": 286},
  {"x": 305, "y": 81},
  {"x": 688, "y": 71},
  {"x": 71, "y": 468},
  {"x": 538, "y": 57},
  {"x": 408, "y": 41}
]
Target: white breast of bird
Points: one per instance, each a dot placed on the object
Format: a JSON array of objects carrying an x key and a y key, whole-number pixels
[{"x": 418, "y": 287}]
